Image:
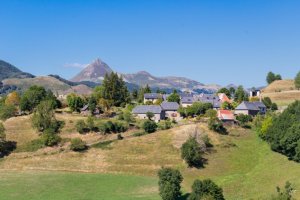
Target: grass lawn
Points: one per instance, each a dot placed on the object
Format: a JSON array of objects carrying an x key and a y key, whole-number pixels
[{"x": 75, "y": 186}]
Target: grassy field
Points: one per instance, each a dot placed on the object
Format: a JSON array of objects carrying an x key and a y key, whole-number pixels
[
  {"x": 282, "y": 92},
  {"x": 240, "y": 162},
  {"x": 75, "y": 186}
]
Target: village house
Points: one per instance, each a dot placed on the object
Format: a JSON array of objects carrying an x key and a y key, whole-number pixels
[
  {"x": 170, "y": 110},
  {"x": 142, "y": 110},
  {"x": 251, "y": 108},
  {"x": 187, "y": 101},
  {"x": 255, "y": 93},
  {"x": 86, "y": 112},
  {"x": 226, "y": 116},
  {"x": 224, "y": 98},
  {"x": 152, "y": 97}
]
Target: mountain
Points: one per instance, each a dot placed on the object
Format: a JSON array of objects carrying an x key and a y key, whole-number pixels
[
  {"x": 94, "y": 72},
  {"x": 7, "y": 70}
]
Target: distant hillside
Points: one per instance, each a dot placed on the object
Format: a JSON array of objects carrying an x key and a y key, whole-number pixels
[
  {"x": 282, "y": 92},
  {"x": 7, "y": 70},
  {"x": 48, "y": 82}
]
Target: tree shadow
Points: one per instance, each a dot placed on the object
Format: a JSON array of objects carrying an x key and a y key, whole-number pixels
[
  {"x": 184, "y": 197},
  {"x": 6, "y": 147}
]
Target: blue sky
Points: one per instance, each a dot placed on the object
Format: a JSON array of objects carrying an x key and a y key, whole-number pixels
[{"x": 225, "y": 41}]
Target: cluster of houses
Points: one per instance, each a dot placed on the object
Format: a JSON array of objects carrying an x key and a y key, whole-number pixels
[{"x": 168, "y": 110}]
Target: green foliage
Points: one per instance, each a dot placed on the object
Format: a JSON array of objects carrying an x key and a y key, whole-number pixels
[
  {"x": 113, "y": 127},
  {"x": 284, "y": 132},
  {"x": 225, "y": 91},
  {"x": 103, "y": 145},
  {"x": 232, "y": 91},
  {"x": 81, "y": 126},
  {"x": 191, "y": 153},
  {"x": 150, "y": 115},
  {"x": 244, "y": 119},
  {"x": 115, "y": 89},
  {"x": 174, "y": 97},
  {"x": 92, "y": 103},
  {"x": 197, "y": 108},
  {"x": 165, "y": 124},
  {"x": 78, "y": 145},
  {"x": 286, "y": 194},
  {"x": 126, "y": 115},
  {"x": 216, "y": 125},
  {"x": 120, "y": 137},
  {"x": 90, "y": 123},
  {"x": 149, "y": 126},
  {"x": 227, "y": 106},
  {"x": 2, "y": 132},
  {"x": 265, "y": 125},
  {"x": 75, "y": 102},
  {"x": 271, "y": 77},
  {"x": 50, "y": 138},
  {"x": 7, "y": 111},
  {"x": 297, "y": 80},
  {"x": 240, "y": 95},
  {"x": 138, "y": 134},
  {"x": 31, "y": 146},
  {"x": 169, "y": 183},
  {"x": 32, "y": 97},
  {"x": 98, "y": 92},
  {"x": 211, "y": 113},
  {"x": 43, "y": 117},
  {"x": 269, "y": 104},
  {"x": 204, "y": 189}
]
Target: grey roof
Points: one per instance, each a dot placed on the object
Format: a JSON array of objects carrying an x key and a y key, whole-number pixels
[
  {"x": 182, "y": 95},
  {"x": 169, "y": 105},
  {"x": 143, "y": 109},
  {"x": 187, "y": 100},
  {"x": 152, "y": 96},
  {"x": 84, "y": 108},
  {"x": 259, "y": 104},
  {"x": 246, "y": 105}
]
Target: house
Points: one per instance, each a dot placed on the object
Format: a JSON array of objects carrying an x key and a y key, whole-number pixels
[
  {"x": 170, "y": 110},
  {"x": 250, "y": 108},
  {"x": 224, "y": 98},
  {"x": 255, "y": 93},
  {"x": 226, "y": 116},
  {"x": 86, "y": 112},
  {"x": 209, "y": 98},
  {"x": 142, "y": 110},
  {"x": 152, "y": 97},
  {"x": 187, "y": 101}
]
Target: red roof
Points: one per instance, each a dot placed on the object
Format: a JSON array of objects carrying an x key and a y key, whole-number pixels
[
  {"x": 224, "y": 98},
  {"x": 225, "y": 115}
]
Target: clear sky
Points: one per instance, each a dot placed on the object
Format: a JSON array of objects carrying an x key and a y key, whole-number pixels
[{"x": 225, "y": 41}]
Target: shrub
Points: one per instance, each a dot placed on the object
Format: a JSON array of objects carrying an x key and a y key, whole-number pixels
[
  {"x": 206, "y": 189},
  {"x": 286, "y": 194},
  {"x": 7, "y": 111},
  {"x": 165, "y": 124},
  {"x": 149, "y": 126},
  {"x": 169, "y": 183},
  {"x": 138, "y": 134},
  {"x": 90, "y": 123},
  {"x": 244, "y": 119},
  {"x": 77, "y": 144},
  {"x": 113, "y": 127},
  {"x": 119, "y": 136},
  {"x": 216, "y": 125},
  {"x": 191, "y": 153},
  {"x": 206, "y": 141},
  {"x": 81, "y": 126},
  {"x": 50, "y": 138}
]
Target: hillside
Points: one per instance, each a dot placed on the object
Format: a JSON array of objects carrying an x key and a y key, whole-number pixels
[
  {"x": 9, "y": 71},
  {"x": 47, "y": 82},
  {"x": 232, "y": 163},
  {"x": 282, "y": 92}
]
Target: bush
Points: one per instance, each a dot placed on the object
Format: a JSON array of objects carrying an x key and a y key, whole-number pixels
[
  {"x": 244, "y": 119},
  {"x": 81, "y": 126},
  {"x": 119, "y": 136},
  {"x": 286, "y": 194},
  {"x": 50, "y": 138},
  {"x": 138, "y": 134},
  {"x": 206, "y": 189},
  {"x": 216, "y": 125},
  {"x": 90, "y": 123},
  {"x": 149, "y": 126},
  {"x": 7, "y": 111},
  {"x": 78, "y": 145},
  {"x": 169, "y": 183},
  {"x": 165, "y": 124},
  {"x": 113, "y": 127},
  {"x": 191, "y": 153}
]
